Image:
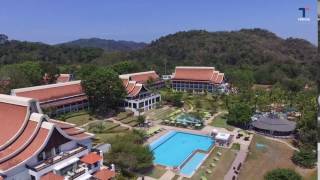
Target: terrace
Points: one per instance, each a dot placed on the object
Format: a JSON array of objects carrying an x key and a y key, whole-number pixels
[{"x": 60, "y": 159}]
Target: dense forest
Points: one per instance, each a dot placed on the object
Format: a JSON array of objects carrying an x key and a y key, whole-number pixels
[
  {"x": 105, "y": 44},
  {"x": 250, "y": 55}
]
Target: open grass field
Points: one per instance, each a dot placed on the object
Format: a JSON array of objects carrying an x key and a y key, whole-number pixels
[
  {"x": 222, "y": 166},
  {"x": 80, "y": 118},
  {"x": 221, "y": 121},
  {"x": 273, "y": 155},
  {"x": 105, "y": 137}
]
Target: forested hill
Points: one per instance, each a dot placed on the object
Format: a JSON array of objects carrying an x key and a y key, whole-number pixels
[
  {"x": 266, "y": 55},
  {"x": 254, "y": 52},
  {"x": 237, "y": 48},
  {"x": 107, "y": 45}
]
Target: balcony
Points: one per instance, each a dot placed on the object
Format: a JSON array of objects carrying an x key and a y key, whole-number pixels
[
  {"x": 71, "y": 175},
  {"x": 56, "y": 159}
]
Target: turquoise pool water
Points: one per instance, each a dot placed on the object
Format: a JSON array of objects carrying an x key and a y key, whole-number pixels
[
  {"x": 175, "y": 147},
  {"x": 193, "y": 164}
]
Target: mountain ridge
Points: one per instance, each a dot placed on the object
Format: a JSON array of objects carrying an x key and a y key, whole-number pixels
[{"x": 109, "y": 45}]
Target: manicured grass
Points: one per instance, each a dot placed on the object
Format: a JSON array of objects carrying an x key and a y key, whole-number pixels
[
  {"x": 123, "y": 115},
  {"x": 273, "y": 155},
  {"x": 117, "y": 129},
  {"x": 128, "y": 120},
  {"x": 80, "y": 119},
  {"x": 104, "y": 138},
  {"x": 235, "y": 146},
  {"x": 156, "y": 172},
  {"x": 222, "y": 166},
  {"x": 220, "y": 121}
]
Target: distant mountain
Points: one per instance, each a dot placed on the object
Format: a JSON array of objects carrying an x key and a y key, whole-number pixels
[{"x": 107, "y": 45}]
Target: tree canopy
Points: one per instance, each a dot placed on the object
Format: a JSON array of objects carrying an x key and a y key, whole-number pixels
[
  {"x": 128, "y": 152},
  {"x": 104, "y": 89},
  {"x": 239, "y": 114}
]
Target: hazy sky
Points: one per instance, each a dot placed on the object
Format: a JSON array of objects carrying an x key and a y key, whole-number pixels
[{"x": 55, "y": 21}]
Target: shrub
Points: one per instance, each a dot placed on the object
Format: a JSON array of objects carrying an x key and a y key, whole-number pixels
[
  {"x": 304, "y": 158},
  {"x": 282, "y": 174}
]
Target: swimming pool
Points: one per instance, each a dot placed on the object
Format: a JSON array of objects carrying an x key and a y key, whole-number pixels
[
  {"x": 194, "y": 162},
  {"x": 175, "y": 147}
]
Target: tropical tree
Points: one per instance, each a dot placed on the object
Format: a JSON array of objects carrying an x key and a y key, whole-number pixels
[
  {"x": 129, "y": 154},
  {"x": 104, "y": 89},
  {"x": 239, "y": 114}
]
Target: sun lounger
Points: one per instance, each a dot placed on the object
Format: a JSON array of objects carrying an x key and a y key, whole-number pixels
[
  {"x": 208, "y": 171},
  {"x": 203, "y": 178}
]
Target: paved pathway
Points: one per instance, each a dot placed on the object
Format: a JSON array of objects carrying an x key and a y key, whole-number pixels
[{"x": 167, "y": 176}]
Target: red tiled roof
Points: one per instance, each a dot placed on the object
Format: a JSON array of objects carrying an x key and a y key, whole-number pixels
[
  {"x": 51, "y": 176},
  {"x": 136, "y": 90},
  {"x": 28, "y": 133},
  {"x": 143, "y": 77},
  {"x": 207, "y": 74},
  {"x": 21, "y": 141},
  {"x": 51, "y": 91},
  {"x": 64, "y": 101},
  {"x": 130, "y": 86},
  {"x": 104, "y": 174},
  {"x": 11, "y": 114},
  {"x": 28, "y": 152},
  {"x": 91, "y": 158},
  {"x": 71, "y": 130}
]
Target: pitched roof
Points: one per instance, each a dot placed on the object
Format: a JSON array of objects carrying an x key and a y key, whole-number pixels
[
  {"x": 25, "y": 131},
  {"x": 193, "y": 73},
  {"x": 91, "y": 158},
  {"x": 104, "y": 174},
  {"x": 50, "y": 92},
  {"x": 140, "y": 77},
  {"x": 51, "y": 176}
]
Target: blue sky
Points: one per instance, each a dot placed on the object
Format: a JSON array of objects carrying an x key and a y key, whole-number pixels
[{"x": 55, "y": 21}]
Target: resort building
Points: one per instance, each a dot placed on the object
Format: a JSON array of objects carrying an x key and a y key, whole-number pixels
[
  {"x": 197, "y": 79},
  {"x": 273, "y": 125},
  {"x": 150, "y": 79},
  {"x": 57, "y": 98},
  {"x": 34, "y": 147},
  {"x": 65, "y": 78},
  {"x": 139, "y": 98}
]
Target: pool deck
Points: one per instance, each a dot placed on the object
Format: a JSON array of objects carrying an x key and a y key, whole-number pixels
[{"x": 207, "y": 130}]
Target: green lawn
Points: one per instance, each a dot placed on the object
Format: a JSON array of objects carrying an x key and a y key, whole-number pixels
[
  {"x": 220, "y": 121},
  {"x": 104, "y": 138},
  {"x": 222, "y": 166},
  {"x": 235, "y": 146},
  {"x": 80, "y": 119}
]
